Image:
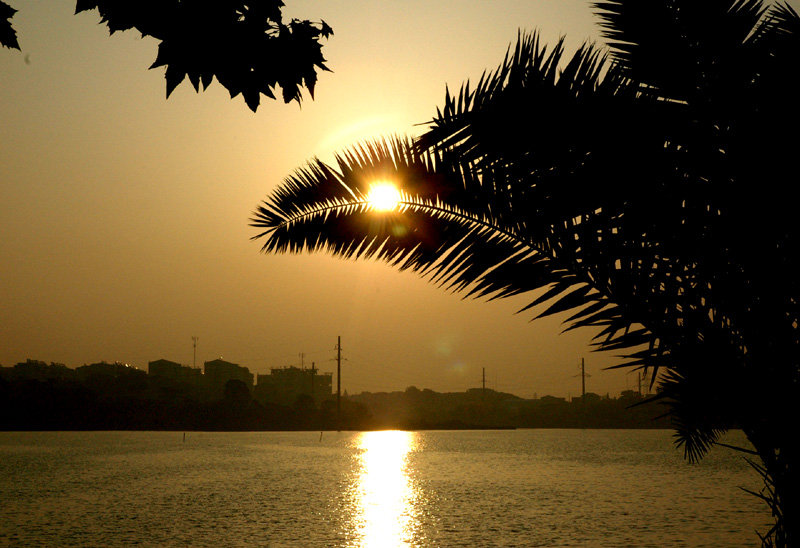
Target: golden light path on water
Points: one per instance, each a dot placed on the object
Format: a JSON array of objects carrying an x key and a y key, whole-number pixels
[{"x": 386, "y": 496}]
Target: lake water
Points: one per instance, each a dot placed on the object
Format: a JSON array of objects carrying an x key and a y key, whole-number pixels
[{"x": 553, "y": 488}]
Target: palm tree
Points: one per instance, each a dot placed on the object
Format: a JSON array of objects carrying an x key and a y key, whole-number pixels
[{"x": 643, "y": 188}]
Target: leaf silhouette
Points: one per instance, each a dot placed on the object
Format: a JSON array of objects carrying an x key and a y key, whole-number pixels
[
  {"x": 8, "y": 36},
  {"x": 245, "y": 46},
  {"x": 641, "y": 190}
]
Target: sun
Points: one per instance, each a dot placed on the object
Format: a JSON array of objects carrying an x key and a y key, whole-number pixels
[{"x": 383, "y": 196}]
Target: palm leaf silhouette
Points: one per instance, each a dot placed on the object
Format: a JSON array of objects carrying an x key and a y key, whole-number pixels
[{"x": 620, "y": 188}]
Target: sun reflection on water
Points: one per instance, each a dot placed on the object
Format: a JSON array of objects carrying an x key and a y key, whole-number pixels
[{"x": 386, "y": 495}]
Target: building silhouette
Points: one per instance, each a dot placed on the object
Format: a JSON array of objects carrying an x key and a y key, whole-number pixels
[
  {"x": 116, "y": 369},
  {"x": 218, "y": 372},
  {"x": 284, "y": 385},
  {"x": 37, "y": 370},
  {"x": 169, "y": 370}
]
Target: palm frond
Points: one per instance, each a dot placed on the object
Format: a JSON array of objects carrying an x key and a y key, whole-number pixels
[
  {"x": 322, "y": 208},
  {"x": 675, "y": 50},
  {"x": 614, "y": 193}
]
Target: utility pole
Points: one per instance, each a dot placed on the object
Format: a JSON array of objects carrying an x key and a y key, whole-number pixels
[
  {"x": 194, "y": 350},
  {"x": 647, "y": 380},
  {"x": 583, "y": 376},
  {"x": 339, "y": 380},
  {"x": 313, "y": 372},
  {"x": 583, "y": 381}
]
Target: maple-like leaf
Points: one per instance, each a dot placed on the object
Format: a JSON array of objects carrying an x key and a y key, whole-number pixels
[
  {"x": 326, "y": 31},
  {"x": 244, "y": 45},
  {"x": 8, "y": 36}
]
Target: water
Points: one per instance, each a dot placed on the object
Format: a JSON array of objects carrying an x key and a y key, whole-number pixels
[{"x": 519, "y": 488}]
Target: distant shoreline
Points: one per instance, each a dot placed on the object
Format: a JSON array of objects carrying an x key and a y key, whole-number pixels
[{"x": 140, "y": 403}]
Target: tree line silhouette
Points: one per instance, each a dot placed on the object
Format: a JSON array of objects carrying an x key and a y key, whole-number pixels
[{"x": 133, "y": 400}]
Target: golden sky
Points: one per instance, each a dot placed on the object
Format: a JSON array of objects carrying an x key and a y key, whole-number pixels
[{"x": 124, "y": 216}]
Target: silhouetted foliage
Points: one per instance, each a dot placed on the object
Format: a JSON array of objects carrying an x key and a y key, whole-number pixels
[
  {"x": 8, "y": 37},
  {"x": 236, "y": 392},
  {"x": 418, "y": 410},
  {"x": 641, "y": 189},
  {"x": 246, "y": 46}
]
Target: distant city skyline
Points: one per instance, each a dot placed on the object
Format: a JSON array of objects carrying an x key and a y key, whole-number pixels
[
  {"x": 305, "y": 360},
  {"x": 222, "y": 370},
  {"x": 227, "y": 396}
]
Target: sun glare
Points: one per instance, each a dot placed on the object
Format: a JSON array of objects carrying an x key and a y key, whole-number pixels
[
  {"x": 387, "y": 503},
  {"x": 383, "y": 196}
]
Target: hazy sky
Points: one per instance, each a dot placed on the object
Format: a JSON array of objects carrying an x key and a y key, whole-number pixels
[{"x": 124, "y": 216}]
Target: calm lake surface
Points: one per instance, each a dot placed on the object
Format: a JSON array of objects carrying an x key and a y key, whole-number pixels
[{"x": 625, "y": 488}]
